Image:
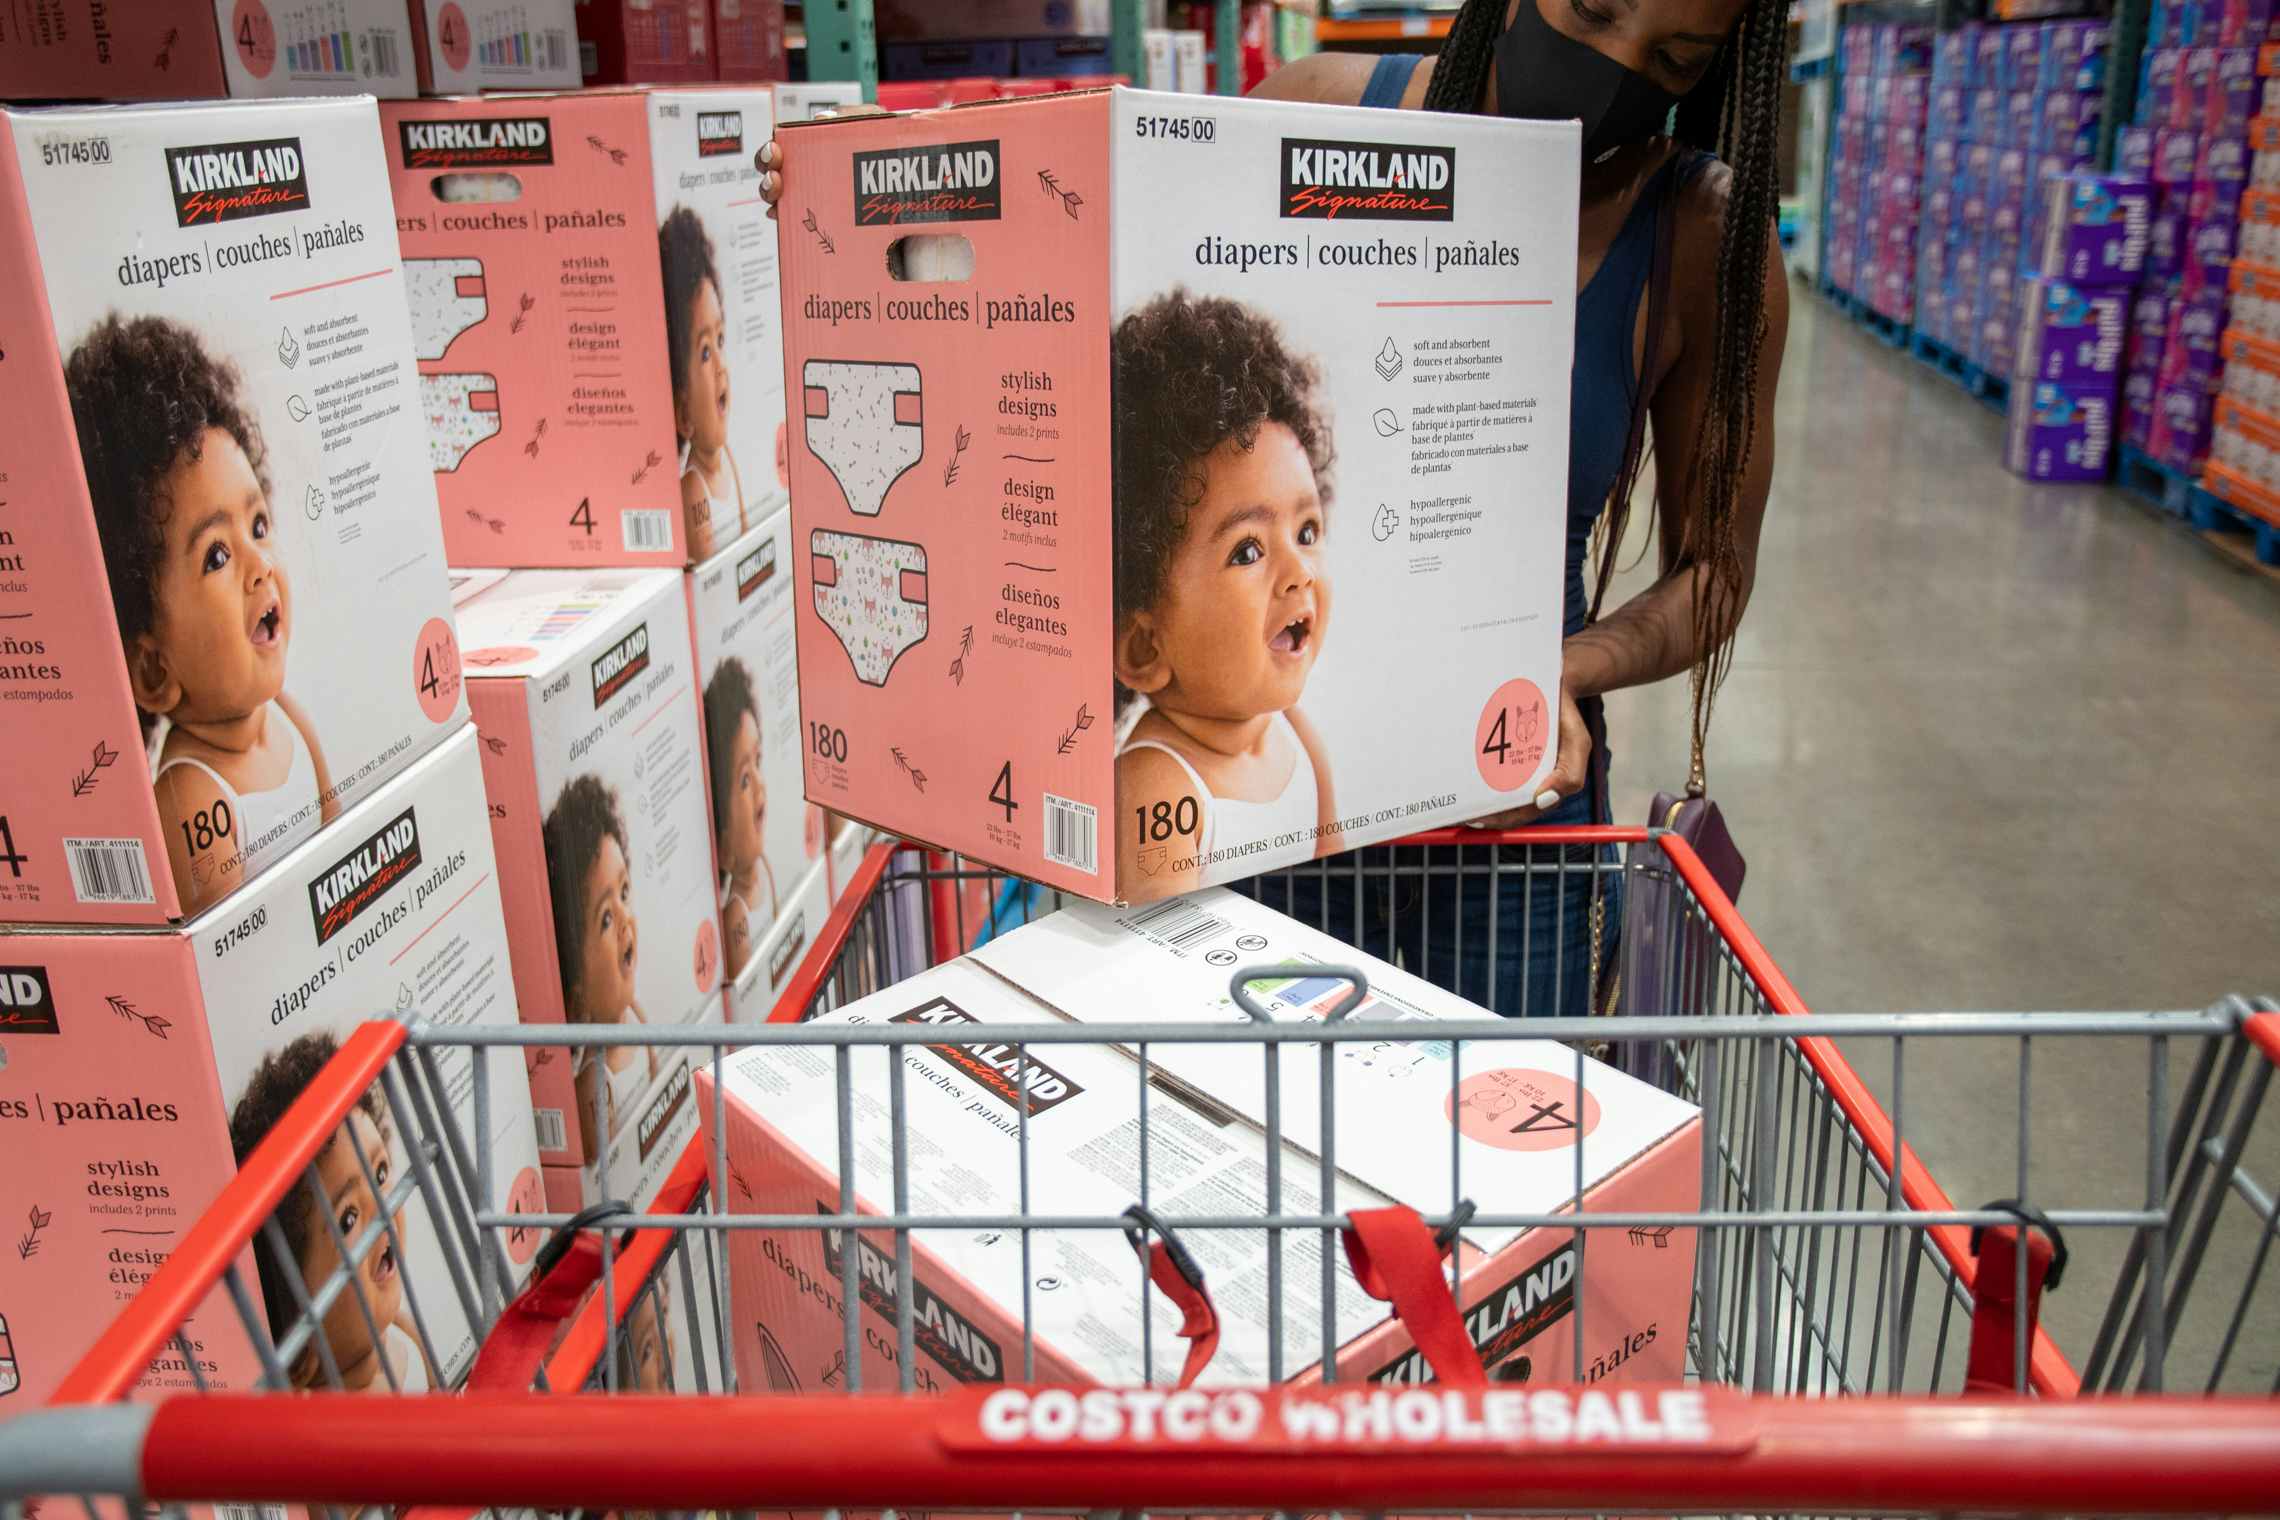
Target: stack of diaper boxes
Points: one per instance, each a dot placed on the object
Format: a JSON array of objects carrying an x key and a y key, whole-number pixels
[
  {"x": 2199, "y": 95},
  {"x": 1877, "y": 165},
  {"x": 205, "y": 49},
  {"x": 2074, "y": 314},
  {"x": 594, "y": 293},
  {"x": 240, "y": 806}
]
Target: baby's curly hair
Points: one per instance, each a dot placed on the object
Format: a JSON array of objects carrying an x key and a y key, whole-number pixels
[
  {"x": 685, "y": 255},
  {"x": 144, "y": 391},
  {"x": 282, "y": 1077},
  {"x": 729, "y": 695},
  {"x": 1191, "y": 372},
  {"x": 583, "y": 816}
]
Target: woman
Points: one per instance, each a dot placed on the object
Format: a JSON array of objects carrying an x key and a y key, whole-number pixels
[
  {"x": 1704, "y": 380},
  {"x": 1709, "y": 376}
]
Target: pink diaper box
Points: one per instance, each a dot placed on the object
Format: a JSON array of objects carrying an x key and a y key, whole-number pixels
[
  {"x": 204, "y": 49},
  {"x": 142, "y": 1066},
  {"x": 1528, "y": 1141},
  {"x": 767, "y": 839},
  {"x": 224, "y": 616},
  {"x": 1021, "y": 593},
  {"x": 583, "y": 685},
  {"x": 592, "y": 281},
  {"x": 462, "y": 46}
]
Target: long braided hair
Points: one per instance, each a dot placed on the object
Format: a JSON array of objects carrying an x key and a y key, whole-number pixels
[{"x": 1734, "y": 111}]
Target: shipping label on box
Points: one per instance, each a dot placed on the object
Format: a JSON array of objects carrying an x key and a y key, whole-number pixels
[
  {"x": 222, "y": 589},
  {"x": 143, "y": 1066},
  {"x": 1129, "y": 644},
  {"x": 583, "y": 685},
  {"x": 645, "y": 42},
  {"x": 1529, "y": 1297},
  {"x": 463, "y": 46},
  {"x": 740, "y": 607},
  {"x": 200, "y": 49},
  {"x": 593, "y": 291}
]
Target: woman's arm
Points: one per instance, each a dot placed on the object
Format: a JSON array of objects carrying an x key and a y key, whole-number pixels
[{"x": 1653, "y": 635}]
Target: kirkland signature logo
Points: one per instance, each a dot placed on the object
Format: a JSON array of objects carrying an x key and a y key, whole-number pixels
[
  {"x": 27, "y": 1003},
  {"x": 222, "y": 182},
  {"x": 620, "y": 663},
  {"x": 938, "y": 1330},
  {"x": 499, "y": 142},
  {"x": 1507, "y": 1319},
  {"x": 1001, "y": 1070},
  {"x": 720, "y": 133},
  {"x": 657, "y": 1124},
  {"x": 947, "y": 182},
  {"x": 363, "y": 876},
  {"x": 755, "y": 570},
  {"x": 1377, "y": 182}
]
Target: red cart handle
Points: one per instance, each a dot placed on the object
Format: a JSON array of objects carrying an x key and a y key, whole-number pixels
[
  {"x": 1178, "y": 1277},
  {"x": 1996, "y": 1307},
  {"x": 1397, "y": 1260}
]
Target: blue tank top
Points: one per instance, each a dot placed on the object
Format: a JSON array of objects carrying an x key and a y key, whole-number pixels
[{"x": 1606, "y": 316}]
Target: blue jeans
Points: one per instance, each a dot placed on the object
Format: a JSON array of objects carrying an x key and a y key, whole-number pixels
[{"x": 1518, "y": 942}]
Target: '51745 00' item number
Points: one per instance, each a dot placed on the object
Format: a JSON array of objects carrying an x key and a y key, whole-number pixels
[{"x": 1201, "y": 129}]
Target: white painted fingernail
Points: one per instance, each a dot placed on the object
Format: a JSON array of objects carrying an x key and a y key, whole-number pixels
[{"x": 1547, "y": 798}]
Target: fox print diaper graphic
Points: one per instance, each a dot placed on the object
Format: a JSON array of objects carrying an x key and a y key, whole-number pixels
[
  {"x": 462, "y": 411},
  {"x": 871, "y": 594},
  {"x": 448, "y": 297},
  {"x": 865, "y": 422}
]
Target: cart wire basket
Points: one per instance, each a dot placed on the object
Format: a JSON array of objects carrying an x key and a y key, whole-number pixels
[{"x": 1857, "y": 1343}]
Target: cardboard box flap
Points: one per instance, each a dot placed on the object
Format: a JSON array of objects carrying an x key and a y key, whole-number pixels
[
  {"x": 533, "y": 622},
  {"x": 1527, "y": 1150}
]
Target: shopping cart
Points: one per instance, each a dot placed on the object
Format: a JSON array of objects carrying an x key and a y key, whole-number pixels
[{"x": 1857, "y": 1342}]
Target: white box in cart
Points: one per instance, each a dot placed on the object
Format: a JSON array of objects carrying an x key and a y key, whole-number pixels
[
  {"x": 141, "y": 1065},
  {"x": 1165, "y": 538},
  {"x": 223, "y": 611},
  {"x": 583, "y": 685},
  {"x": 740, "y": 609},
  {"x": 810, "y": 99},
  {"x": 1527, "y": 1296}
]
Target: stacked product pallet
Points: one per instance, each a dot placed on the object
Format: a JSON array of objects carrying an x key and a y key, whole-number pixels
[
  {"x": 2198, "y": 94},
  {"x": 2012, "y": 109},
  {"x": 2074, "y": 306},
  {"x": 1877, "y": 169},
  {"x": 2243, "y": 470}
]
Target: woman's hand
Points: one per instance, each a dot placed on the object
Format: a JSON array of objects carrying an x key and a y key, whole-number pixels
[
  {"x": 770, "y": 159},
  {"x": 1571, "y": 769}
]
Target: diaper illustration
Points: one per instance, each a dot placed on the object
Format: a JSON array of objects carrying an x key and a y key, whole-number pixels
[
  {"x": 864, "y": 421},
  {"x": 871, "y": 594},
  {"x": 462, "y": 411},
  {"x": 447, "y": 297}
]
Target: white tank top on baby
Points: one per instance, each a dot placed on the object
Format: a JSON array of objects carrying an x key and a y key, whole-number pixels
[
  {"x": 1230, "y": 821},
  {"x": 261, "y": 815},
  {"x": 403, "y": 1354},
  {"x": 726, "y": 513}
]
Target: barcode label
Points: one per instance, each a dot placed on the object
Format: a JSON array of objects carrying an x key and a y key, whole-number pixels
[
  {"x": 553, "y": 1135},
  {"x": 648, "y": 528},
  {"x": 249, "y": 1512},
  {"x": 108, "y": 870},
  {"x": 1072, "y": 833},
  {"x": 380, "y": 55},
  {"x": 554, "y": 49},
  {"x": 589, "y": 59},
  {"x": 1179, "y": 924}
]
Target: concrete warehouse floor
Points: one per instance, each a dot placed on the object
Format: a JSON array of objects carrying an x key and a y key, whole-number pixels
[{"x": 1994, "y": 746}]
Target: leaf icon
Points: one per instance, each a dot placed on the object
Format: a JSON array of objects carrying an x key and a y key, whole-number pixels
[{"x": 40, "y": 1218}]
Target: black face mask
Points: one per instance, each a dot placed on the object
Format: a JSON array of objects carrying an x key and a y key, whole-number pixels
[{"x": 1542, "y": 74}]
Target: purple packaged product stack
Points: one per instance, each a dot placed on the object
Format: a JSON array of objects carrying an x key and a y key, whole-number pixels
[
  {"x": 2071, "y": 335},
  {"x": 2059, "y": 433}
]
